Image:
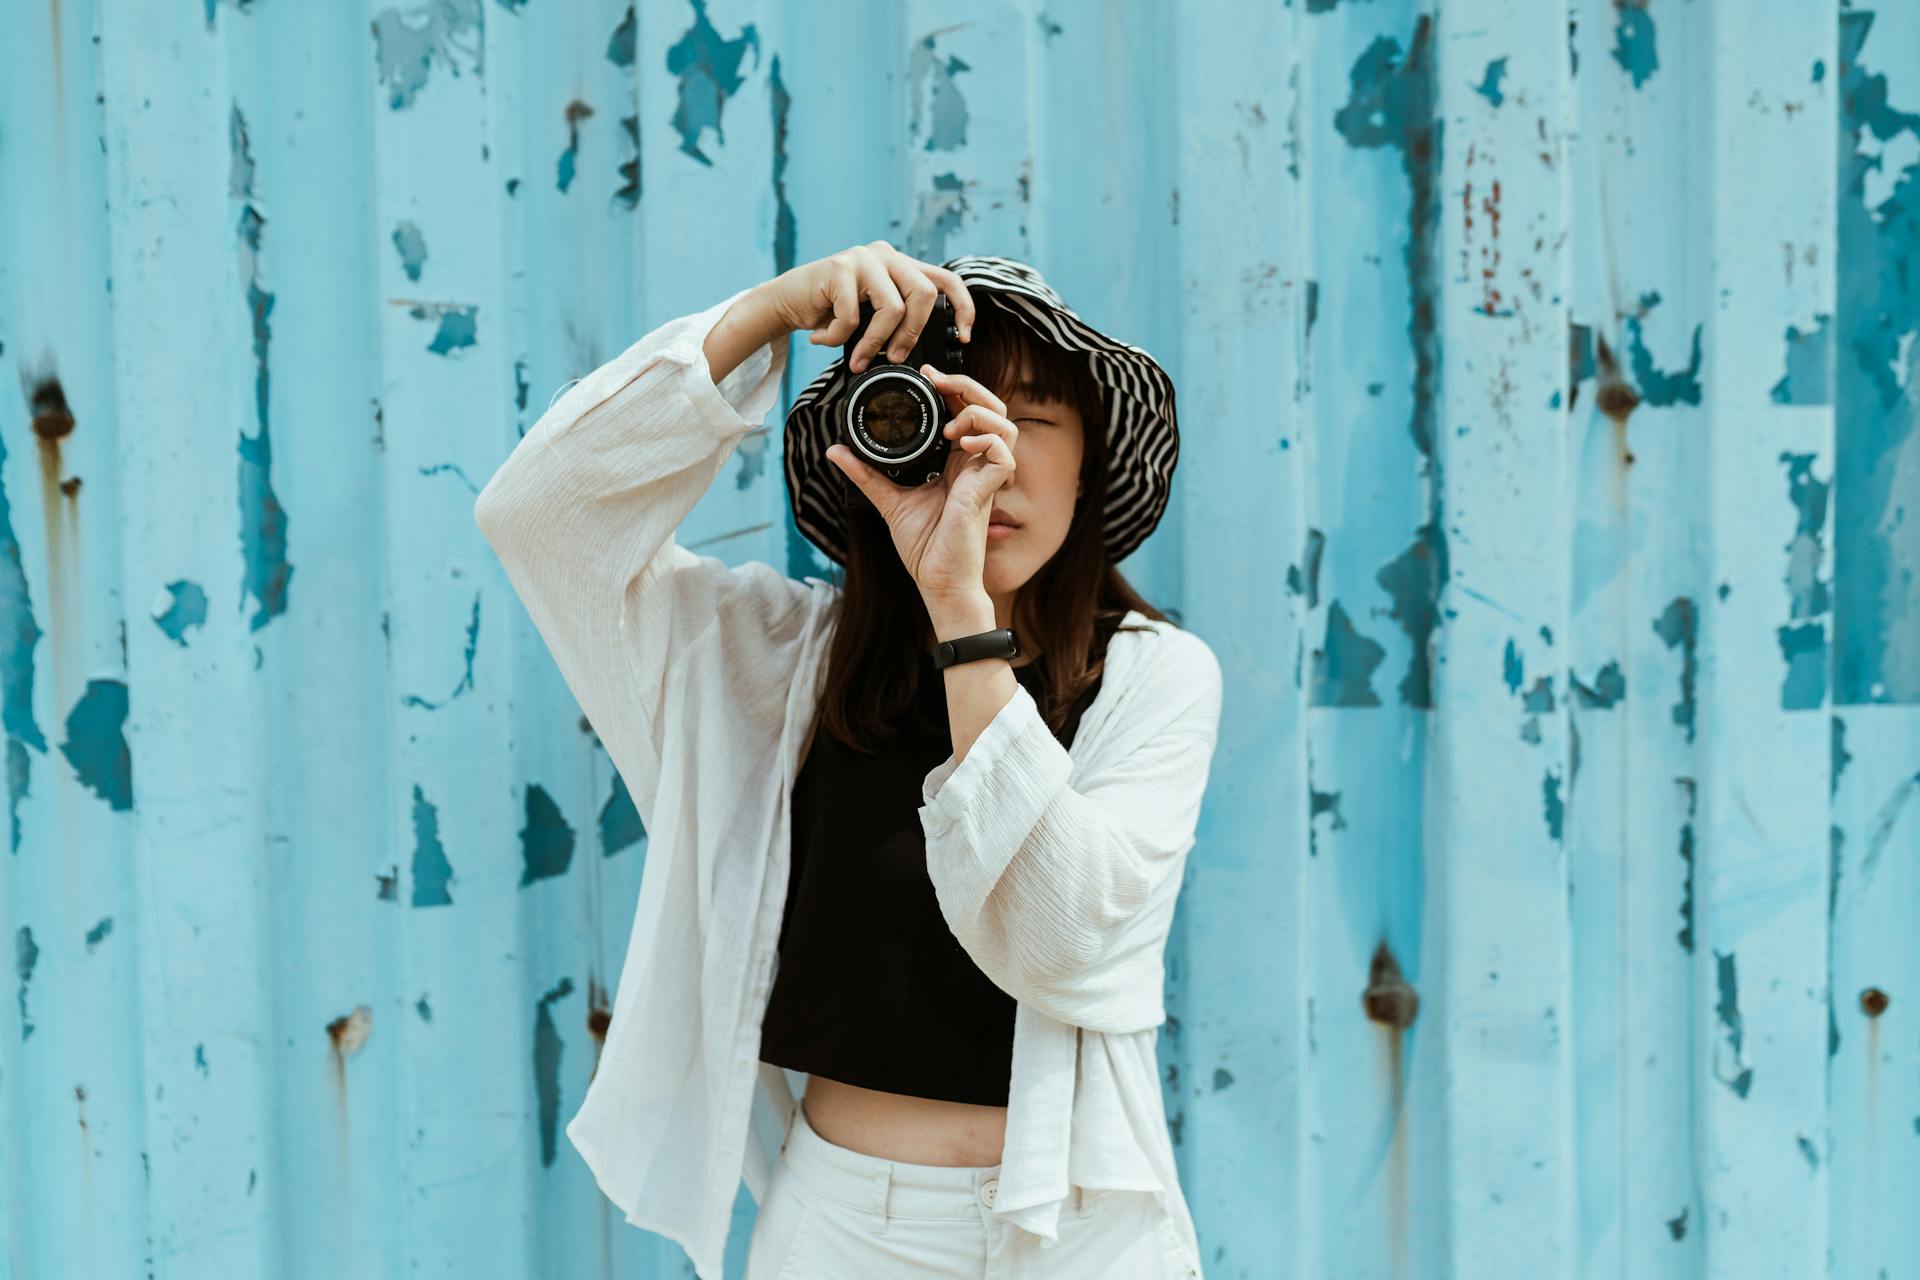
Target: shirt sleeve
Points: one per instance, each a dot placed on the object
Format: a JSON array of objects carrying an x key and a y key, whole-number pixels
[
  {"x": 582, "y": 515},
  {"x": 1061, "y": 893}
]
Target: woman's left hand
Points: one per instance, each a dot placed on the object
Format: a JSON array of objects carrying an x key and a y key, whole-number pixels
[{"x": 940, "y": 529}]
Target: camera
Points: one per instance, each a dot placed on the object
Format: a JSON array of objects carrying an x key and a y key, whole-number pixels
[{"x": 891, "y": 415}]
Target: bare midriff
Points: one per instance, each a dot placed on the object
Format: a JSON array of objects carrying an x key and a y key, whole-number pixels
[{"x": 896, "y": 1126}]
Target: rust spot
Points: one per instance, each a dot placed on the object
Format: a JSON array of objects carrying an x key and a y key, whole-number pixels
[
  {"x": 1874, "y": 1001},
  {"x": 1616, "y": 397},
  {"x": 52, "y": 419},
  {"x": 71, "y": 486},
  {"x": 577, "y": 111},
  {"x": 1389, "y": 999}
]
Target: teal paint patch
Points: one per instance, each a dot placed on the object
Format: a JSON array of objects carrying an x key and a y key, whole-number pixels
[
  {"x": 389, "y": 881},
  {"x": 1321, "y": 804},
  {"x": 22, "y": 634},
  {"x": 1608, "y": 688},
  {"x": 1876, "y": 632},
  {"x": 1677, "y": 1227},
  {"x": 465, "y": 684},
  {"x": 708, "y": 69},
  {"x": 940, "y": 214},
  {"x": 1837, "y": 755},
  {"x": 263, "y": 521},
  {"x": 547, "y": 1048},
  {"x": 411, "y": 244},
  {"x": 570, "y": 157},
  {"x": 1313, "y": 306},
  {"x": 1580, "y": 362},
  {"x": 1655, "y": 385},
  {"x": 1554, "y": 808},
  {"x": 1539, "y": 699},
  {"x": 620, "y": 825},
  {"x": 1806, "y": 589},
  {"x": 187, "y": 607},
  {"x": 1512, "y": 667},
  {"x": 1808, "y": 1150},
  {"x": 424, "y": 1009},
  {"x": 26, "y": 954},
  {"x": 1343, "y": 667},
  {"x": 546, "y": 842},
  {"x": 939, "y": 108},
  {"x": 1809, "y": 375},
  {"x": 1679, "y": 629},
  {"x": 1729, "y": 1067},
  {"x": 457, "y": 328},
  {"x": 96, "y": 744},
  {"x": 407, "y": 43},
  {"x": 1819, "y": 70},
  {"x": 1221, "y": 1078},
  {"x": 99, "y": 932},
  {"x": 431, "y": 870},
  {"x": 1392, "y": 102},
  {"x": 1804, "y": 649},
  {"x": 1692, "y": 792},
  {"x": 200, "y": 1059},
  {"x": 1489, "y": 86},
  {"x": 1633, "y": 41},
  {"x": 620, "y": 45}
]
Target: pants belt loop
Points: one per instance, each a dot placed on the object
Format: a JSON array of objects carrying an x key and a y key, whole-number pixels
[
  {"x": 881, "y": 1178},
  {"x": 1080, "y": 1201}
]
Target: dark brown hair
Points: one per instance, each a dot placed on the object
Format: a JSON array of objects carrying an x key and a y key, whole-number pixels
[{"x": 882, "y": 632}]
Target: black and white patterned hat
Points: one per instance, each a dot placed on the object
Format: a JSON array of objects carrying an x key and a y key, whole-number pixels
[{"x": 1143, "y": 436}]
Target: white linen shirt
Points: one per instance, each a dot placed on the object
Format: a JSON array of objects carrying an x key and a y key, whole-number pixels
[{"x": 1057, "y": 870}]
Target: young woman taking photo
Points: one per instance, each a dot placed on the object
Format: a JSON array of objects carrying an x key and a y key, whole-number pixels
[{"x": 916, "y": 836}]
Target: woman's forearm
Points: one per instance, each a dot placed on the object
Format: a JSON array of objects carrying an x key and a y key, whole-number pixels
[{"x": 744, "y": 328}]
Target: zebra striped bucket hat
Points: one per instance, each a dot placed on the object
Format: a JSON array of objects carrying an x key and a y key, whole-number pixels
[{"x": 1142, "y": 433}]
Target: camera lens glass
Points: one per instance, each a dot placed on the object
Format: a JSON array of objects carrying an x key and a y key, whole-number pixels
[{"x": 893, "y": 418}]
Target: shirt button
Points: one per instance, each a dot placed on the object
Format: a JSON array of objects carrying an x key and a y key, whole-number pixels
[{"x": 987, "y": 1189}]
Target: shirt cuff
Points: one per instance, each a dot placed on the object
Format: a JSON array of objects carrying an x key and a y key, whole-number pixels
[
  {"x": 979, "y": 811},
  {"x": 741, "y": 400}
]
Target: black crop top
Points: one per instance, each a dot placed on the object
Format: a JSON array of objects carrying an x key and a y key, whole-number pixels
[{"x": 871, "y": 987}]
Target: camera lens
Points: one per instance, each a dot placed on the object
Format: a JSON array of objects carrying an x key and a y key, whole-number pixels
[{"x": 893, "y": 418}]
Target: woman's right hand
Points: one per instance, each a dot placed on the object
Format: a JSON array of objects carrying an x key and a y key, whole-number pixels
[{"x": 824, "y": 296}]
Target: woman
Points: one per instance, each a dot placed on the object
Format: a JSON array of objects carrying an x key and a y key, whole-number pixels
[{"x": 873, "y": 860}]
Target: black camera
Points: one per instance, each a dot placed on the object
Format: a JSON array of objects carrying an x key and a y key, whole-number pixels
[{"x": 891, "y": 415}]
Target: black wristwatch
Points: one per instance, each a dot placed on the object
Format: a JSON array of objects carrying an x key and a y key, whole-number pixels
[{"x": 999, "y": 643}]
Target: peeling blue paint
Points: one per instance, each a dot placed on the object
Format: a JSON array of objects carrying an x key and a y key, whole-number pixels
[
  {"x": 408, "y": 42},
  {"x": 620, "y": 45},
  {"x": 1677, "y": 1227},
  {"x": 939, "y": 108},
  {"x": 1343, "y": 667},
  {"x": 1580, "y": 361},
  {"x": 1608, "y": 688},
  {"x": 1489, "y": 86},
  {"x": 187, "y": 608},
  {"x": 431, "y": 870},
  {"x": 1655, "y": 385},
  {"x": 1809, "y": 375},
  {"x": 570, "y": 158},
  {"x": 1555, "y": 809},
  {"x": 1837, "y": 755},
  {"x": 424, "y": 1009},
  {"x": 1392, "y": 102},
  {"x": 22, "y": 634},
  {"x": 620, "y": 825},
  {"x": 263, "y": 521},
  {"x": 1304, "y": 578},
  {"x": 1679, "y": 628},
  {"x": 1512, "y": 667},
  {"x": 627, "y": 195},
  {"x": 546, "y": 842},
  {"x": 1221, "y": 1078},
  {"x": 547, "y": 1048},
  {"x": 1808, "y": 1150},
  {"x": 411, "y": 244},
  {"x": 465, "y": 684},
  {"x": 1877, "y": 386},
  {"x": 938, "y": 214},
  {"x": 1729, "y": 1066},
  {"x": 200, "y": 1058},
  {"x": 1685, "y": 936},
  {"x": 457, "y": 325},
  {"x": 25, "y": 956},
  {"x": 1633, "y": 46},
  {"x": 99, "y": 932},
  {"x": 1804, "y": 649},
  {"x": 708, "y": 69},
  {"x": 96, "y": 744}
]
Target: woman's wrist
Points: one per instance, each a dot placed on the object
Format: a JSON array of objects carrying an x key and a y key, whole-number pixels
[
  {"x": 743, "y": 328},
  {"x": 960, "y": 615}
]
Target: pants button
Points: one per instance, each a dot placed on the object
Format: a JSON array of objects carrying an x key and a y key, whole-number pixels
[{"x": 987, "y": 1189}]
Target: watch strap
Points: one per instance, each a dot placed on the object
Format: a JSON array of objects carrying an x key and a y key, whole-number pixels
[{"x": 998, "y": 643}]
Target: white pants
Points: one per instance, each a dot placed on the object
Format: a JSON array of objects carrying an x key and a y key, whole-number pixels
[{"x": 836, "y": 1214}]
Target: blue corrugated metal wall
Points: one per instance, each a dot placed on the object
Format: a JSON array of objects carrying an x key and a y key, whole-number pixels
[{"x": 1548, "y": 374}]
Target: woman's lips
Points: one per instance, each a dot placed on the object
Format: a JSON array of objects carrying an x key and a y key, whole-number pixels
[{"x": 997, "y": 531}]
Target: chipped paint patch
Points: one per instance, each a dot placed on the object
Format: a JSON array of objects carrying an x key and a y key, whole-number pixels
[
  {"x": 1678, "y": 627},
  {"x": 939, "y": 213},
  {"x": 1609, "y": 687},
  {"x": 96, "y": 935},
  {"x": 1809, "y": 375},
  {"x": 466, "y": 679},
  {"x": 1413, "y": 581},
  {"x": 1343, "y": 667},
  {"x": 570, "y": 158},
  {"x": 1633, "y": 41},
  {"x": 708, "y": 68},
  {"x": 1489, "y": 86},
  {"x": 627, "y": 194},
  {"x": 263, "y": 521},
  {"x": 1656, "y": 386},
  {"x": 1553, "y": 806},
  {"x": 546, "y": 842},
  {"x": 26, "y": 954},
  {"x": 1692, "y": 792},
  {"x": 1803, "y": 644},
  {"x": 411, "y": 244},
  {"x": 1729, "y": 1064},
  {"x": 184, "y": 605},
  {"x": 456, "y": 330},
  {"x": 547, "y": 1048},
  {"x": 620, "y": 825},
  {"x": 22, "y": 634},
  {"x": 1304, "y": 578},
  {"x": 939, "y": 108},
  {"x": 424, "y": 1009},
  {"x": 96, "y": 743},
  {"x": 431, "y": 870},
  {"x": 620, "y": 44},
  {"x": 407, "y": 43}
]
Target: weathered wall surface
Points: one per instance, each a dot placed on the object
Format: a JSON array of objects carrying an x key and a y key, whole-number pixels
[{"x": 1548, "y": 384}]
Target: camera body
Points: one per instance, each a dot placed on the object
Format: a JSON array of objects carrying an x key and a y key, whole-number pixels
[{"x": 890, "y": 415}]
